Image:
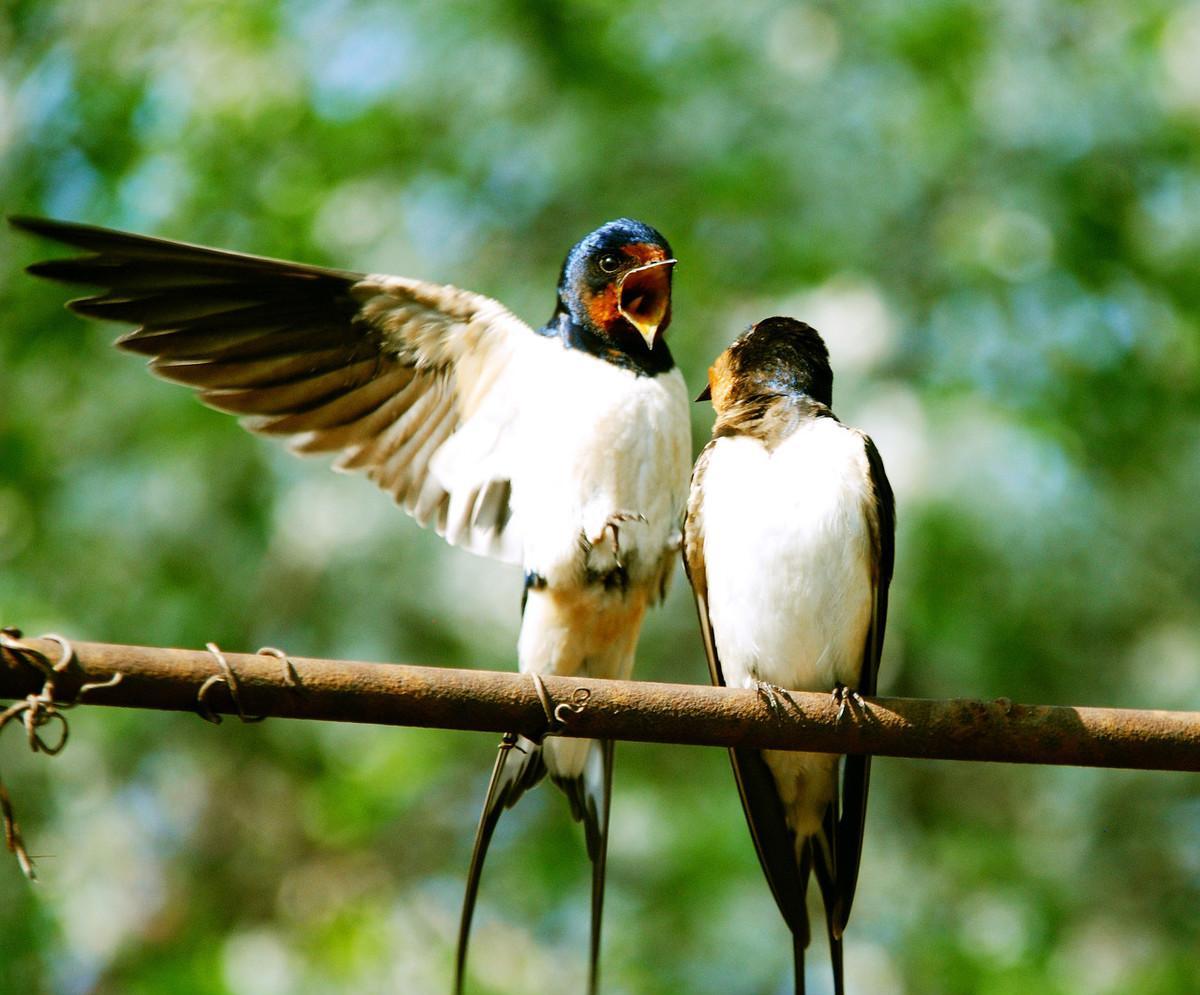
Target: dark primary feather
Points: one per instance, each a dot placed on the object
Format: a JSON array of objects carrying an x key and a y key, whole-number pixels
[
  {"x": 591, "y": 803},
  {"x": 334, "y": 360},
  {"x": 856, "y": 768},
  {"x": 519, "y": 766}
]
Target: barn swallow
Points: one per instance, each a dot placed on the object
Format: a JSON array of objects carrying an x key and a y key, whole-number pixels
[
  {"x": 789, "y": 545},
  {"x": 563, "y": 450}
]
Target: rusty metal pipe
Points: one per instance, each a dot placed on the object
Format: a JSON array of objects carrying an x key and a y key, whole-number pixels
[{"x": 492, "y": 701}]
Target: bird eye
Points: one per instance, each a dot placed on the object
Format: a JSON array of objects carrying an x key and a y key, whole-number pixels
[{"x": 610, "y": 263}]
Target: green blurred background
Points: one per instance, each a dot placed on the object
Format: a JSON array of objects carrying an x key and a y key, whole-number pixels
[{"x": 992, "y": 212}]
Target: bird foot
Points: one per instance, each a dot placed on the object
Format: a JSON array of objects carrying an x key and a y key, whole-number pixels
[
  {"x": 613, "y": 525},
  {"x": 846, "y": 696},
  {"x": 774, "y": 696}
]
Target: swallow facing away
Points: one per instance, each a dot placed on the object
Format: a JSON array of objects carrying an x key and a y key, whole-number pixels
[
  {"x": 789, "y": 545},
  {"x": 564, "y": 450}
]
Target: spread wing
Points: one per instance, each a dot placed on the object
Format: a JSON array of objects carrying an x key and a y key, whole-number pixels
[
  {"x": 774, "y": 841},
  {"x": 415, "y": 384},
  {"x": 856, "y": 769}
]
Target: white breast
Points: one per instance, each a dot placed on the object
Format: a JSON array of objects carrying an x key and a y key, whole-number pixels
[
  {"x": 601, "y": 440},
  {"x": 786, "y": 547}
]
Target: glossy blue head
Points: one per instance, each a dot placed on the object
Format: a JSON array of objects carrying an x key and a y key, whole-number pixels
[{"x": 616, "y": 284}]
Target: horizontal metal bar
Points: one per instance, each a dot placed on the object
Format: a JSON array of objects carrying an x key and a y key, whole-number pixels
[{"x": 491, "y": 701}]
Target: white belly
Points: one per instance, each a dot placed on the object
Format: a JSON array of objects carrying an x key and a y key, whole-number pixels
[
  {"x": 786, "y": 550},
  {"x": 607, "y": 442}
]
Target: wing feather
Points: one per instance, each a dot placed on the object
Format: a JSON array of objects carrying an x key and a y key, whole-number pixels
[
  {"x": 856, "y": 769},
  {"x": 229, "y": 337},
  {"x": 263, "y": 371},
  {"x": 358, "y": 414},
  {"x": 412, "y": 383}
]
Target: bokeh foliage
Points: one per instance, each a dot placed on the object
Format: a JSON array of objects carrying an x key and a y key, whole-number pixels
[{"x": 992, "y": 211}]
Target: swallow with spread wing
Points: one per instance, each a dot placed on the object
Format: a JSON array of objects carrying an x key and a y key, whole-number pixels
[
  {"x": 564, "y": 450},
  {"x": 789, "y": 545}
]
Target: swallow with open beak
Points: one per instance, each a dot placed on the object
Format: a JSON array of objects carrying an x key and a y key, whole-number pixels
[
  {"x": 789, "y": 545},
  {"x": 563, "y": 450}
]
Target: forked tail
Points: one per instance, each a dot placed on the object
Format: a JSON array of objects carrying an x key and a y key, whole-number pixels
[
  {"x": 519, "y": 766},
  {"x": 590, "y": 795}
]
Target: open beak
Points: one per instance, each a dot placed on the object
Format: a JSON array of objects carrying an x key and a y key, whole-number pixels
[
  {"x": 706, "y": 394},
  {"x": 645, "y": 298}
]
